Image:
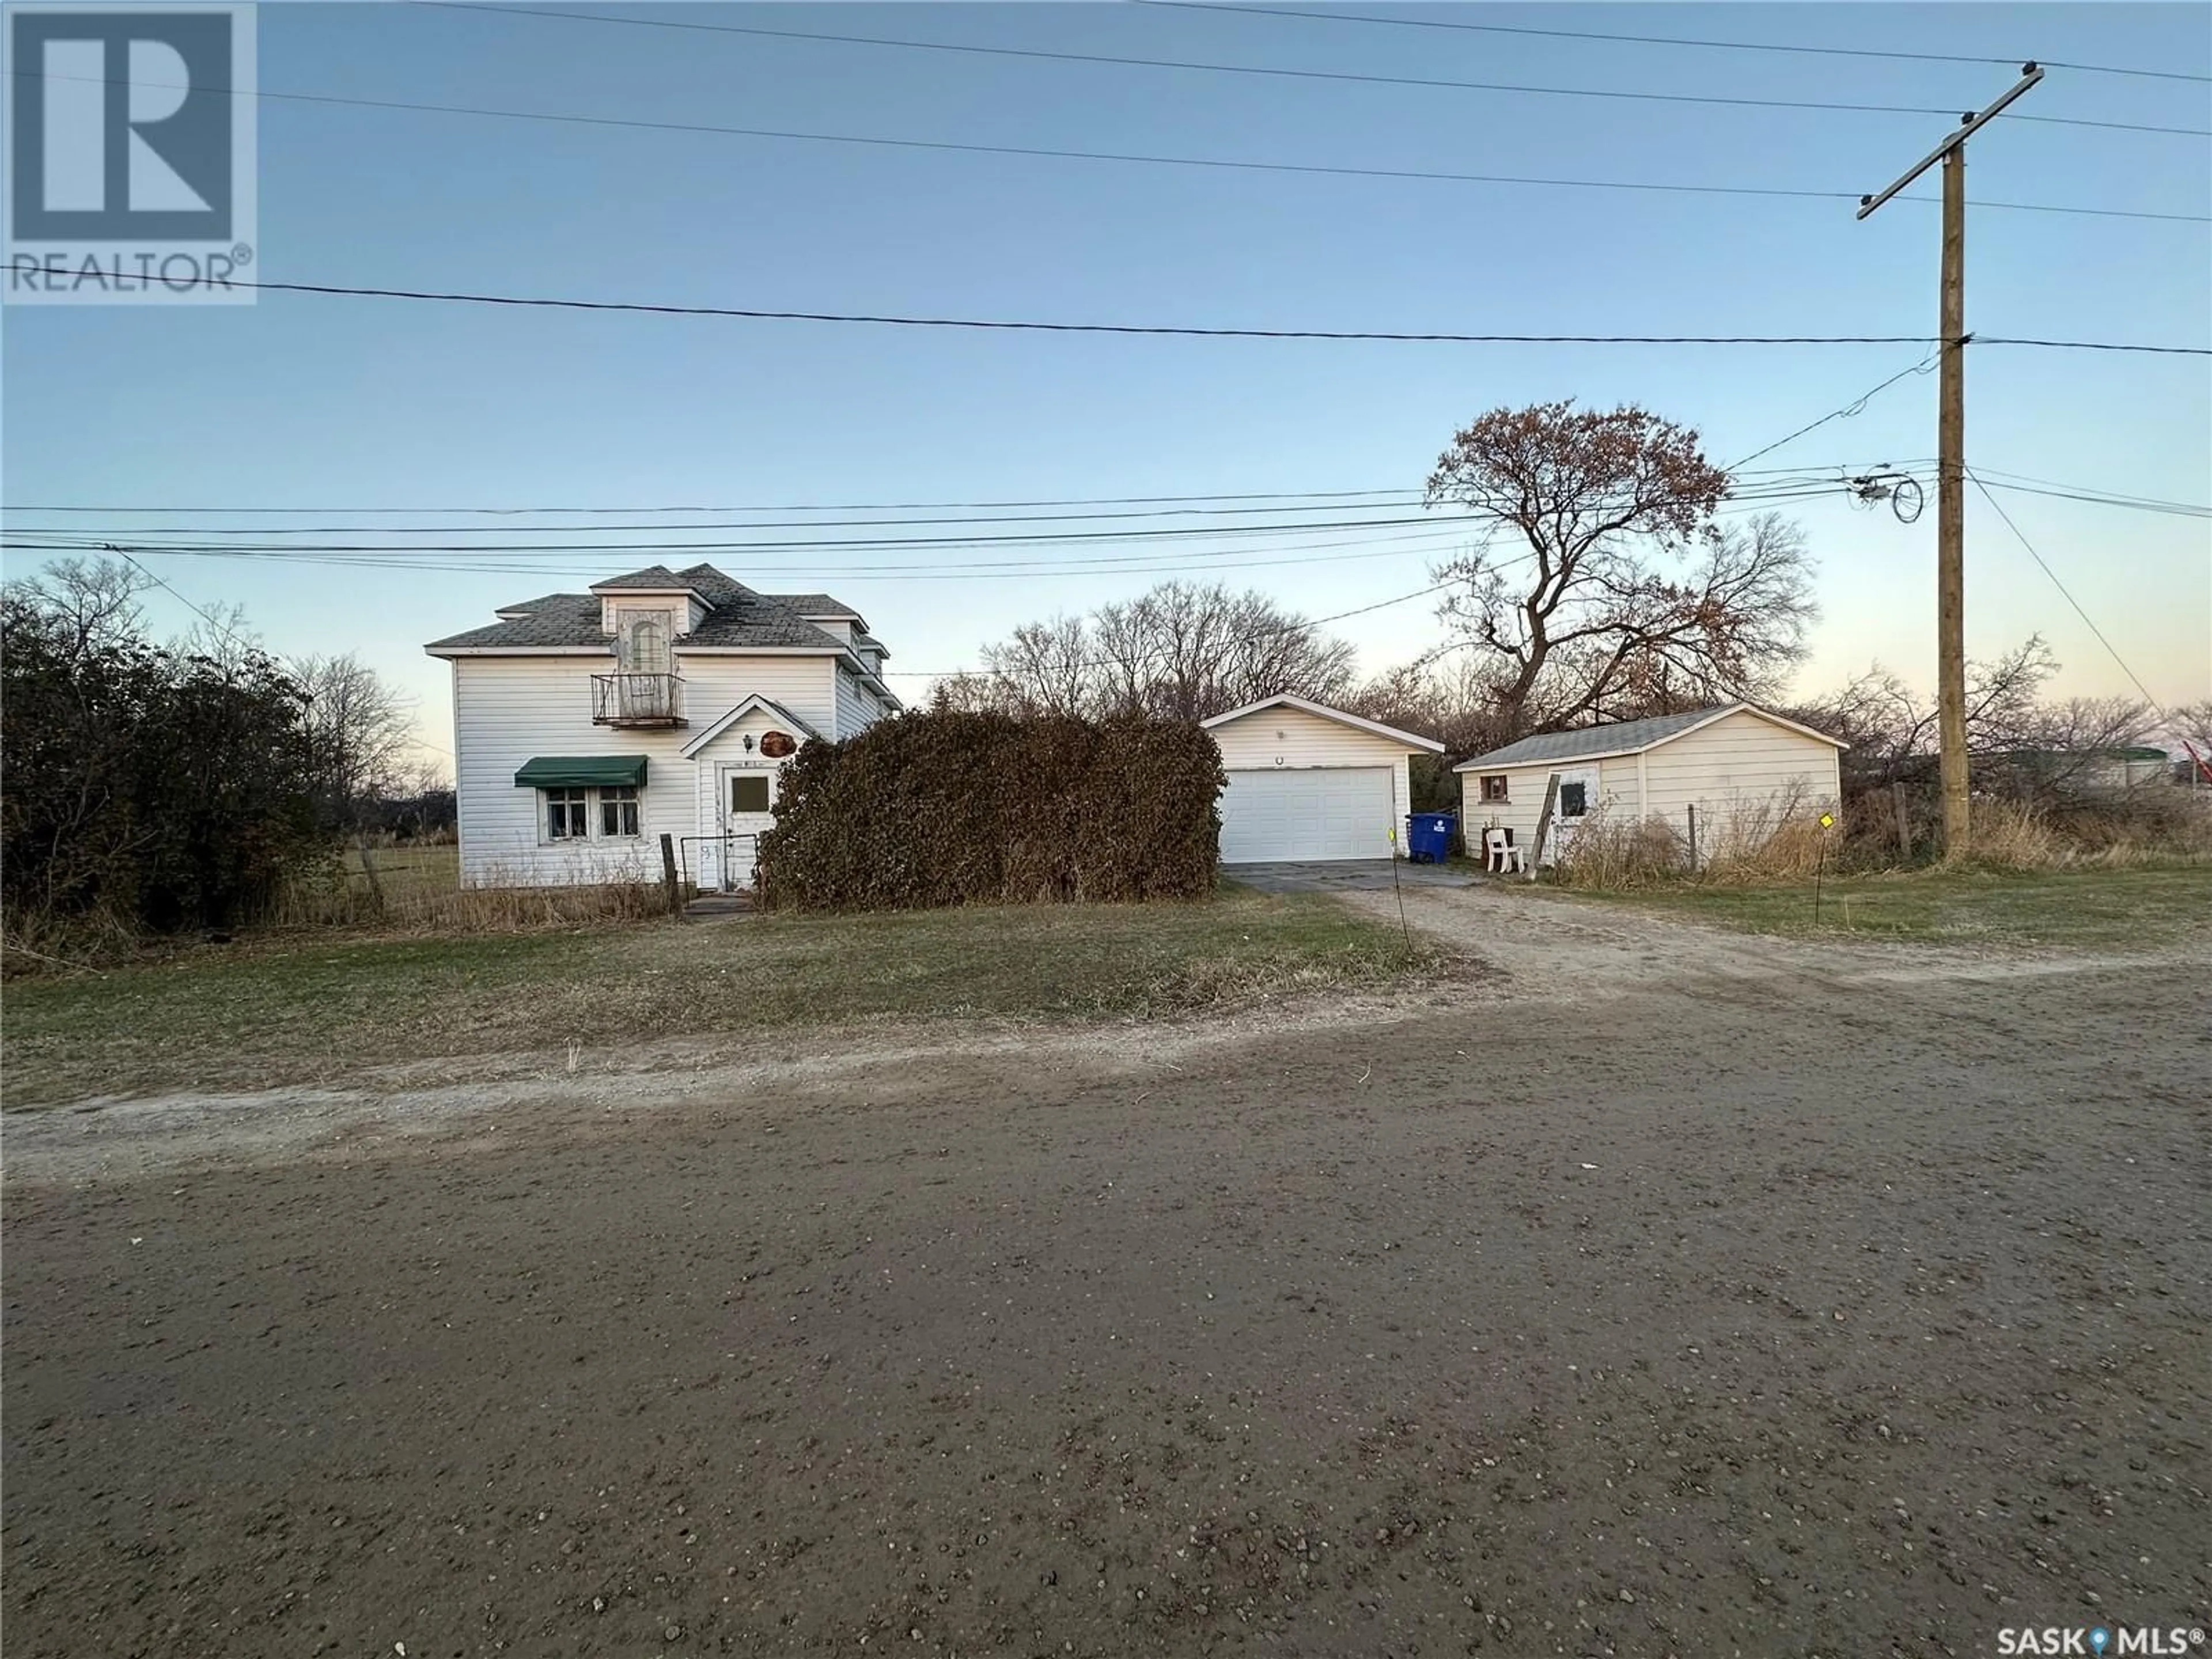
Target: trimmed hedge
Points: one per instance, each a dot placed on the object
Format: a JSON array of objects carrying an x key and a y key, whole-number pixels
[{"x": 943, "y": 808}]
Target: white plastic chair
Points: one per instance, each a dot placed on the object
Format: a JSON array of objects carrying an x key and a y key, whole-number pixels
[{"x": 1499, "y": 854}]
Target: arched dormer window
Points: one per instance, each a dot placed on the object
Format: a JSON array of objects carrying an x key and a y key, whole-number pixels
[{"x": 645, "y": 642}]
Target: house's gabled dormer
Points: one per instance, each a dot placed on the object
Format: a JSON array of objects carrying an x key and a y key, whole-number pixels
[{"x": 656, "y": 596}]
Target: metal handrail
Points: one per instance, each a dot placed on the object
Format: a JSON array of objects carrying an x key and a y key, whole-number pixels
[
  {"x": 630, "y": 695},
  {"x": 684, "y": 853}
]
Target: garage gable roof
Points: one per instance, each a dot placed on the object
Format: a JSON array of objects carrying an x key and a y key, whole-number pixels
[
  {"x": 1373, "y": 729},
  {"x": 1624, "y": 738}
]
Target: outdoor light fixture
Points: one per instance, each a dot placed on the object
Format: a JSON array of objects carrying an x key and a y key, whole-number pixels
[{"x": 749, "y": 745}]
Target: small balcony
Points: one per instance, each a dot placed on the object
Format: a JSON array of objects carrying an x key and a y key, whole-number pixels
[{"x": 637, "y": 700}]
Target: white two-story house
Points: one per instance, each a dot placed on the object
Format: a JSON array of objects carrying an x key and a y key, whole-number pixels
[{"x": 587, "y": 726}]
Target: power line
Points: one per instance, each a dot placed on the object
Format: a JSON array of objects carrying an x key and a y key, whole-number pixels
[
  {"x": 650, "y": 308},
  {"x": 787, "y": 506},
  {"x": 2114, "y": 496},
  {"x": 1025, "y": 570},
  {"x": 2044, "y": 566},
  {"x": 1035, "y": 54},
  {"x": 662, "y": 550},
  {"x": 2177, "y": 509},
  {"x": 1299, "y": 627},
  {"x": 1220, "y": 560},
  {"x": 1141, "y": 160},
  {"x": 1776, "y": 490},
  {"x": 1668, "y": 40},
  {"x": 667, "y": 525},
  {"x": 1844, "y": 413},
  {"x": 206, "y": 616}
]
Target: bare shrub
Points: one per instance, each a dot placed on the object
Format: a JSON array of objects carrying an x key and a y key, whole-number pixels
[
  {"x": 333, "y": 897},
  {"x": 2010, "y": 836},
  {"x": 1778, "y": 838},
  {"x": 1627, "y": 853},
  {"x": 2150, "y": 823}
]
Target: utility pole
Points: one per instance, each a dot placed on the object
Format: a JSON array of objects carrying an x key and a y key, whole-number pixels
[{"x": 1951, "y": 457}]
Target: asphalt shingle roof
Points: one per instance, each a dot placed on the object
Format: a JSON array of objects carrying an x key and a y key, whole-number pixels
[
  {"x": 816, "y": 605},
  {"x": 736, "y": 616},
  {"x": 1619, "y": 737},
  {"x": 654, "y": 578}
]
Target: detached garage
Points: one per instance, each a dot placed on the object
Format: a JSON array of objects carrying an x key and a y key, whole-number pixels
[{"x": 1310, "y": 782}]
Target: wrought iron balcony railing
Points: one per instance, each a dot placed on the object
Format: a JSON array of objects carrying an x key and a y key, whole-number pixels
[{"x": 628, "y": 699}]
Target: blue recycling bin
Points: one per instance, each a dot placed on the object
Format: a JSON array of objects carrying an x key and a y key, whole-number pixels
[{"x": 1429, "y": 836}]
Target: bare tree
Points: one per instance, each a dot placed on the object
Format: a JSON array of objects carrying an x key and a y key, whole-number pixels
[
  {"x": 86, "y": 603},
  {"x": 359, "y": 733},
  {"x": 1569, "y": 602},
  {"x": 1044, "y": 668},
  {"x": 1445, "y": 695},
  {"x": 1182, "y": 651}
]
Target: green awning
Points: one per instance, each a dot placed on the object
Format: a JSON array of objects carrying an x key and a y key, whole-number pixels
[{"x": 582, "y": 772}]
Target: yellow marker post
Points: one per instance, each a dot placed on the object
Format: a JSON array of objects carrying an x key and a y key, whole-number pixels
[{"x": 1821, "y": 865}]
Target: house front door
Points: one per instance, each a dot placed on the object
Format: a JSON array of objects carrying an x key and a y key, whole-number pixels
[
  {"x": 1577, "y": 799},
  {"x": 745, "y": 804}
]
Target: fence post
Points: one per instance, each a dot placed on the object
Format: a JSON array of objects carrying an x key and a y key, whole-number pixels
[
  {"x": 1543, "y": 824},
  {"x": 1692, "y": 810},
  {"x": 1904, "y": 822},
  {"x": 368, "y": 869},
  {"x": 668, "y": 875}
]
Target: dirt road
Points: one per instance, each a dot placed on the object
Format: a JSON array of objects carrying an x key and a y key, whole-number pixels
[{"x": 1669, "y": 1294}]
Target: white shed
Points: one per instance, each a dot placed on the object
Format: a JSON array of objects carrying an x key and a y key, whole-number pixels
[
  {"x": 1310, "y": 782},
  {"x": 1727, "y": 763}
]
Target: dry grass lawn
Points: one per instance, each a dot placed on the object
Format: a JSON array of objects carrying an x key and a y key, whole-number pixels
[
  {"x": 2144, "y": 907},
  {"x": 249, "y": 1016}
]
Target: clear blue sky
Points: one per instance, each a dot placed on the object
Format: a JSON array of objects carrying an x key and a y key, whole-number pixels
[{"x": 313, "y": 402}]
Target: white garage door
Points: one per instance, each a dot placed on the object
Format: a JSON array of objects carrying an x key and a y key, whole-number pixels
[{"x": 1316, "y": 812}]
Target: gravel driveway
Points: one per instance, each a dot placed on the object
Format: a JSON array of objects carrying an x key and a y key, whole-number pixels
[{"x": 1670, "y": 1293}]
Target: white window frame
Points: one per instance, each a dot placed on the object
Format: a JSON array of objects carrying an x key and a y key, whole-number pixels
[
  {"x": 611, "y": 802},
  {"x": 574, "y": 807},
  {"x": 733, "y": 810},
  {"x": 591, "y": 804},
  {"x": 1503, "y": 797}
]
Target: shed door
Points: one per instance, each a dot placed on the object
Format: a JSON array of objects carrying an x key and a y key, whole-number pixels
[
  {"x": 1307, "y": 812},
  {"x": 1578, "y": 800}
]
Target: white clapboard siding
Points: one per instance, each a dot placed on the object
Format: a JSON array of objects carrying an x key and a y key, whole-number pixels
[
  {"x": 1740, "y": 762},
  {"x": 1283, "y": 739},
  {"x": 857, "y": 708},
  {"x": 510, "y": 710},
  {"x": 713, "y": 684}
]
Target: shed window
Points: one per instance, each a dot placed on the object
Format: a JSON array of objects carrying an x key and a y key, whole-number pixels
[
  {"x": 618, "y": 813},
  {"x": 565, "y": 815},
  {"x": 1574, "y": 799},
  {"x": 1493, "y": 787},
  {"x": 749, "y": 792}
]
